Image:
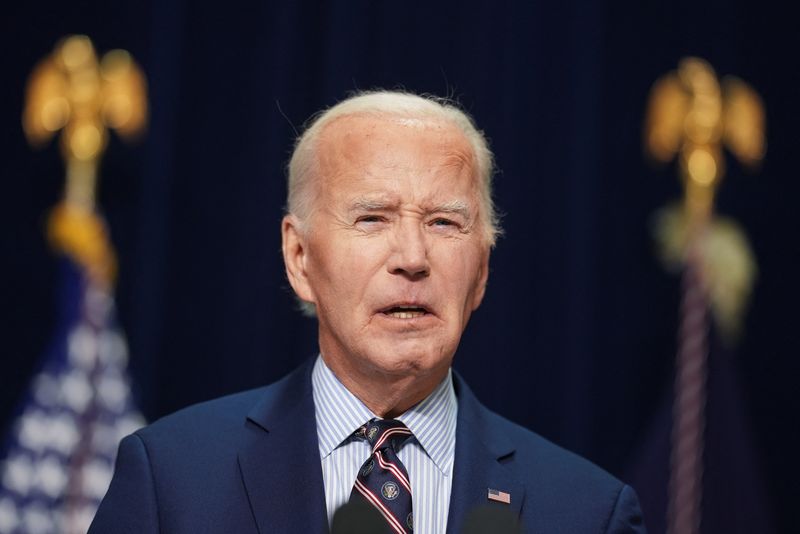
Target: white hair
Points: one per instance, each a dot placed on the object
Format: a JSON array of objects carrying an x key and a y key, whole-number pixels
[
  {"x": 301, "y": 190},
  {"x": 396, "y": 104}
]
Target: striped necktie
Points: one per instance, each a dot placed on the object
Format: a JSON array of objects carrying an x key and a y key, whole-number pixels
[{"x": 383, "y": 480}]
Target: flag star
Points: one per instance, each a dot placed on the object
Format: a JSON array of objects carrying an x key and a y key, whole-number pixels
[
  {"x": 33, "y": 430},
  {"x": 76, "y": 390},
  {"x": 9, "y": 518},
  {"x": 82, "y": 518},
  {"x": 113, "y": 349},
  {"x": 18, "y": 474},
  {"x": 37, "y": 520},
  {"x": 64, "y": 435},
  {"x": 104, "y": 438},
  {"x": 82, "y": 347},
  {"x": 51, "y": 476},
  {"x": 113, "y": 392},
  {"x": 96, "y": 478}
]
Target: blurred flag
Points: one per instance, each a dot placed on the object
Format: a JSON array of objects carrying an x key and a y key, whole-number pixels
[
  {"x": 61, "y": 450},
  {"x": 697, "y": 470},
  {"x": 59, "y": 456},
  {"x": 734, "y": 497}
]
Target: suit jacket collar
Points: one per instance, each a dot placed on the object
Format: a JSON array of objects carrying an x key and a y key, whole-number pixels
[
  {"x": 279, "y": 459},
  {"x": 282, "y": 474},
  {"x": 484, "y": 459}
]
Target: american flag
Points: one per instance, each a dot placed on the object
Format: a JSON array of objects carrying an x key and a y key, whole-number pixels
[
  {"x": 499, "y": 496},
  {"x": 59, "y": 455}
]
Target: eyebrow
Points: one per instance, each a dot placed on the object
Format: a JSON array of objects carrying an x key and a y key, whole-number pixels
[
  {"x": 370, "y": 204},
  {"x": 458, "y": 207}
]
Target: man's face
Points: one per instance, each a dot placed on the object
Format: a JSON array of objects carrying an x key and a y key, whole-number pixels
[{"x": 393, "y": 255}]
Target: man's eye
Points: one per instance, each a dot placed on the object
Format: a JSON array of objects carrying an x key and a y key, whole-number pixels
[
  {"x": 370, "y": 219},
  {"x": 443, "y": 222}
]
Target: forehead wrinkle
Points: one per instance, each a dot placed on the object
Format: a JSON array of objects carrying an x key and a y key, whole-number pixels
[
  {"x": 340, "y": 147},
  {"x": 458, "y": 159},
  {"x": 461, "y": 162}
]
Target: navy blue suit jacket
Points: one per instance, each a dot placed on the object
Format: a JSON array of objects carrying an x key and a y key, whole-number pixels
[{"x": 249, "y": 463}]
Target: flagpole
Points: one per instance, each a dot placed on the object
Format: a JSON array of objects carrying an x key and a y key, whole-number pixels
[{"x": 691, "y": 116}]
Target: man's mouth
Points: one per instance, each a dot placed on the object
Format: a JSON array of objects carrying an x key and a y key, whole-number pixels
[{"x": 405, "y": 312}]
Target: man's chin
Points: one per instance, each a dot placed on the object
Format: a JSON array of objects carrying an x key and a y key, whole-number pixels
[{"x": 413, "y": 360}]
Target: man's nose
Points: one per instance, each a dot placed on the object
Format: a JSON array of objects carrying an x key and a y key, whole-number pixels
[{"x": 409, "y": 251}]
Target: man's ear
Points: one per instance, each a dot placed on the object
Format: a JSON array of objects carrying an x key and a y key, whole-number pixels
[
  {"x": 483, "y": 277},
  {"x": 295, "y": 257}
]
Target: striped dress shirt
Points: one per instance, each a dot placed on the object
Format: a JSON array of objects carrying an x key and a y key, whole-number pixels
[{"x": 428, "y": 456}]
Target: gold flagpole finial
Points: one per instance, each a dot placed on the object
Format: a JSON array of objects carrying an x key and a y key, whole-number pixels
[
  {"x": 72, "y": 92},
  {"x": 692, "y": 116}
]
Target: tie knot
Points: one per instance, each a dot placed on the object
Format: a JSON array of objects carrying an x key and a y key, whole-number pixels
[{"x": 384, "y": 433}]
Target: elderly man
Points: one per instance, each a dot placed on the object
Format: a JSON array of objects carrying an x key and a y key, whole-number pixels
[{"x": 387, "y": 238}]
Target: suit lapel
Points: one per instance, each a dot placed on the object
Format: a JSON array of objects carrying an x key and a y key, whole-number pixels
[
  {"x": 483, "y": 459},
  {"x": 280, "y": 466},
  {"x": 279, "y": 460}
]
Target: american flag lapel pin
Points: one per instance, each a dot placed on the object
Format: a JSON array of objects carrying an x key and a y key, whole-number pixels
[{"x": 499, "y": 496}]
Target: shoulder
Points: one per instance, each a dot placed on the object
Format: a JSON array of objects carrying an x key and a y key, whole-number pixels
[
  {"x": 209, "y": 418},
  {"x": 222, "y": 424},
  {"x": 561, "y": 487},
  {"x": 184, "y": 471},
  {"x": 560, "y": 467},
  {"x": 532, "y": 454}
]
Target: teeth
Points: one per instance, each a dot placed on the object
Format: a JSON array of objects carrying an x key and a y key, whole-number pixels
[{"x": 407, "y": 314}]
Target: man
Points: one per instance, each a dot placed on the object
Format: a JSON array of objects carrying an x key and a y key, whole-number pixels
[{"x": 387, "y": 238}]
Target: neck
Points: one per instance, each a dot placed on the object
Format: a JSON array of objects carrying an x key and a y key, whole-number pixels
[{"x": 387, "y": 395}]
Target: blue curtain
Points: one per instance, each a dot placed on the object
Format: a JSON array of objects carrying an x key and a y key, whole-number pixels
[{"x": 576, "y": 337}]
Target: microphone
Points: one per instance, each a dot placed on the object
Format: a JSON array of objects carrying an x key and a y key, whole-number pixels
[
  {"x": 358, "y": 517},
  {"x": 491, "y": 520}
]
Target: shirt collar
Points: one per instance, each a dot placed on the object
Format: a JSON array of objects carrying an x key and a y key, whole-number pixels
[{"x": 339, "y": 413}]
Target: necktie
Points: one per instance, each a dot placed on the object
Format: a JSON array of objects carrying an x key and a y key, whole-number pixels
[{"x": 383, "y": 480}]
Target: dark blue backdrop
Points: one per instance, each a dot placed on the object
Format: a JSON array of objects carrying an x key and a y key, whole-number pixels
[{"x": 576, "y": 337}]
